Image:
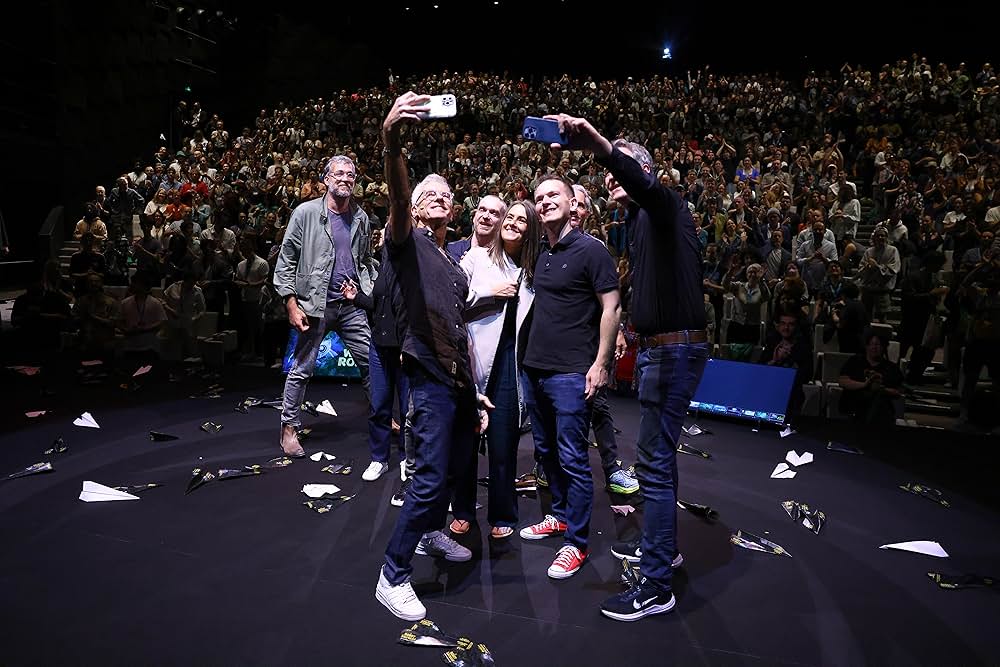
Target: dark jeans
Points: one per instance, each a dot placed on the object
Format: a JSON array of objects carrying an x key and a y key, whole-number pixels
[
  {"x": 604, "y": 433},
  {"x": 560, "y": 421},
  {"x": 668, "y": 377},
  {"x": 351, "y": 325},
  {"x": 389, "y": 383},
  {"x": 502, "y": 436},
  {"x": 444, "y": 436}
]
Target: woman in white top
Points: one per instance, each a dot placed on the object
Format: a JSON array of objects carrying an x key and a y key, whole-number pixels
[
  {"x": 500, "y": 298},
  {"x": 845, "y": 214}
]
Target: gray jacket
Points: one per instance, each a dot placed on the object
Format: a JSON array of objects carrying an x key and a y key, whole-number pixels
[{"x": 305, "y": 260}]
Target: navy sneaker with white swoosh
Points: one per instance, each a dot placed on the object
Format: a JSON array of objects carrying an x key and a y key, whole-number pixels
[{"x": 638, "y": 602}]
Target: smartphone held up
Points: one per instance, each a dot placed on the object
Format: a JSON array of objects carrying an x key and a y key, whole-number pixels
[
  {"x": 543, "y": 130},
  {"x": 440, "y": 106}
]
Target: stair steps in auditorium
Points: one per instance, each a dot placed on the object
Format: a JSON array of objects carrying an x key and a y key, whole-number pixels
[{"x": 66, "y": 253}]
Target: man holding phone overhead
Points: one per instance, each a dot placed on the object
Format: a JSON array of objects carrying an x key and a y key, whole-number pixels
[
  {"x": 668, "y": 314},
  {"x": 435, "y": 359}
]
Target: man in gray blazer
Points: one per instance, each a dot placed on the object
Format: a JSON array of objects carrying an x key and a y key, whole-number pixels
[{"x": 327, "y": 248}]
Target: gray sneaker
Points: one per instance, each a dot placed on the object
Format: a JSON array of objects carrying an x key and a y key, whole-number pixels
[{"x": 440, "y": 545}]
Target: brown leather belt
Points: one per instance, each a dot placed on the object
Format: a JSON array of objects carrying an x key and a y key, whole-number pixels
[{"x": 674, "y": 338}]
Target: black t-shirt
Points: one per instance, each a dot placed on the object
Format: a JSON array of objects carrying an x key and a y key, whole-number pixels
[
  {"x": 664, "y": 252},
  {"x": 565, "y": 326},
  {"x": 434, "y": 290},
  {"x": 857, "y": 368}
]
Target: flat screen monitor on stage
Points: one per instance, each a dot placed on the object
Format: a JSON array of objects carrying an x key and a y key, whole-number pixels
[
  {"x": 333, "y": 360},
  {"x": 754, "y": 392}
]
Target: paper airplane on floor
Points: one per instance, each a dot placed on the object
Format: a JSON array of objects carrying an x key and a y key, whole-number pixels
[
  {"x": 629, "y": 573},
  {"x": 782, "y": 471},
  {"x": 339, "y": 468},
  {"x": 92, "y": 362},
  {"x": 526, "y": 483},
  {"x": 787, "y": 431},
  {"x": 245, "y": 471},
  {"x": 58, "y": 447},
  {"x": 694, "y": 430},
  {"x": 926, "y": 547},
  {"x": 35, "y": 413},
  {"x": 956, "y": 581},
  {"x": 927, "y": 492},
  {"x": 304, "y": 433},
  {"x": 137, "y": 488},
  {"x": 156, "y": 436},
  {"x": 98, "y": 493},
  {"x": 326, "y": 408},
  {"x": 685, "y": 448},
  {"x": 757, "y": 543},
  {"x": 319, "y": 490},
  {"x": 211, "y": 427},
  {"x": 142, "y": 371},
  {"x": 842, "y": 448},
  {"x": 324, "y": 505},
  {"x": 32, "y": 470},
  {"x": 797, "y": 460},
  {"x": 426, "y": 633},
  {"x": 704, "y": 511},
  {"x": 624, "y": 510},
  {"x": 247, "y": 403},
  {"x": 803, "y": 514},
  {"x": 278, "y": 462},
  {"x": 309, "y": 408},
  {"x": 199, "y": 477},
  {"x": 87, "y": 420},
  {"x": 319, "y": 456},
  {"x": 26, "y": 370}
]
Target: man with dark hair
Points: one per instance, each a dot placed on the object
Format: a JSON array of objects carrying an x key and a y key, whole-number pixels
[
  {"x": 566, "y": 362},
  {"x": 668, "y": 313},
  {"x": 327, "y": 245}
]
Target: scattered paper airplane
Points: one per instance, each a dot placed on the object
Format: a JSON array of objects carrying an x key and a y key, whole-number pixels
[
  {"x": 32, "y": 470},
  {"x": 142, "y": 371},
  {"x": 757, "y": 543},
  {"x": 324, "y": 505},
  {"x": 926, "y": 547},
  {"x": 685, "y": 448},
  {"x": 58, "y": 447},
  {"x": 26, "y": 370},
  {"x": 927, "y": 492},
  {"x": 842, "y": 448},
  {"x": 98, "y": 493},
  {"x": 624, "y": 510},
  {"x": 35, "y": 413},
  {"x": 326, "y": 408},
  {"x": 704, "y": 511},
  {"x": 137, "y": 488},
  {"x": 87, "y": 420},
  {"x": 956, "y": 581},
  {"x": 782, "y": 471},
  {"x": 787, "y": 431},
  {"x": 211, "y": 427},
  {"x": 426, "y": 633},
  {"x": 694, "y": 430},
  {"x": 320, "y": 490},
  {"x": 803, "y": 514},
  {"x": 797, "y": 460},
  {"x": 92, "y": 362},
  {"x": 156, "y": 436}
]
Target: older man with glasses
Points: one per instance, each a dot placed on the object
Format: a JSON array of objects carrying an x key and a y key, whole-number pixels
[{"x": 326, "y": 249}]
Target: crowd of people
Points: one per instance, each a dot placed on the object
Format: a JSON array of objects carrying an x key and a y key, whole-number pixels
[{"x": 475, "y": 275}]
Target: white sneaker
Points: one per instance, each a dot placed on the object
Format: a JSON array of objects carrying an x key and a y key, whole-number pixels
[
  {"x": 439, "y": 544},
  {"x": 374, "y": 470},
  {"x": 402, "y": 470},
  {"x": 400, "y": 600}
]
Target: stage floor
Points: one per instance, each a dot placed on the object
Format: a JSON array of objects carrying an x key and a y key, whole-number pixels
[{"x": 239, "y": 572}]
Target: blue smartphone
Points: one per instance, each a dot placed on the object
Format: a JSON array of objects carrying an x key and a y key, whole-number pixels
[{"x": 542, "y": 129}]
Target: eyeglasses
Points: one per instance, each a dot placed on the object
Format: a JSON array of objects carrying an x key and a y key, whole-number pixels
[
  {"x": 341, "y": 175},
  {"x": 431, "y": 194}
]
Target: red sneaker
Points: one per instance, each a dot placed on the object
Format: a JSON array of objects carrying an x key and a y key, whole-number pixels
[
  {"x": 567, "y": 562},
  {"x": 548, "y": 527}
]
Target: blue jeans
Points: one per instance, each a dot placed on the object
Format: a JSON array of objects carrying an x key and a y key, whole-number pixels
[
  {"x": 502, "y": 436},
  {"x": 668, "y": 378},
  {"x": 560, "y": 422},
  {"x": 351, "y": 324},
  {"x": 444, "y": 437},
  {"x": 388, "y": 383}
]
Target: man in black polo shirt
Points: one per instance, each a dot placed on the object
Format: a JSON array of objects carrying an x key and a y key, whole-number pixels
[
  {"x": 435, "y": 360},
  {"x": 566, "y": 362},
  {"x": 669, "y": 316}
]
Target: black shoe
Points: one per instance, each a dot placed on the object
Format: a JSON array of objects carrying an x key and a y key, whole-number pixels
[
  {"x": 638, "y": 601},
  {"x": 540, "y": 480},
  {"x": 400, "y": 496},
  {"x": 632, "y": 552}
]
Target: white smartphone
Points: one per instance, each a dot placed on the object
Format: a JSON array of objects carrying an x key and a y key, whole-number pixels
[{"x": 441, "y": 106}]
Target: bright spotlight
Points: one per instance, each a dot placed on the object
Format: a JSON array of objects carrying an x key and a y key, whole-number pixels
[{"x": 666, "y": 53}]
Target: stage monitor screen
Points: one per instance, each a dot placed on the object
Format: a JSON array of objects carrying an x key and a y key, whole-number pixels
[
  {"x": 333, "y": 359},
  {"x": 755, "y": 392}
]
